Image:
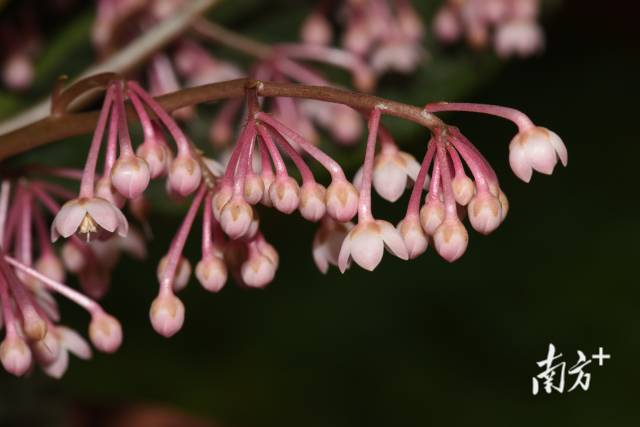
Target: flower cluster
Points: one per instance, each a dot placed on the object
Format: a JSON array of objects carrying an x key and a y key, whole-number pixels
[
  {"x": 387, "y": 34},
  {"x": 31, "y": 272},
  {"x": 510, "y": 25},
  {"x": 458, "y": 180}
]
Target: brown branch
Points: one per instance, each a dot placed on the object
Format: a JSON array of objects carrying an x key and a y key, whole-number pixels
[{"x": 54, "y": 128}]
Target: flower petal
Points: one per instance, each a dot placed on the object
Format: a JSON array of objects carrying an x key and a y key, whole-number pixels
[
  {"x": 393, "y": 240},
  {"x": 74, "y": 342},
  {"x": 104, "y": 213},
  {"x": 68, "y": 219},
  {"x": 344, "y": 258},
  {"x": 367, "y": 247},
  {"x": 59, "y": 366}
]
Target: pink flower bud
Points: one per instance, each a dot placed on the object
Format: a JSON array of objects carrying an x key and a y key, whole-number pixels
[
  {"x": 485, "y": 212},
  {"x": 342, "y": 200},
  {"x": 446, "y": 25},
  {"x": 47, "y": 350},
  {"x": 211, "y": 272},
  {"x": 537, "y": 149},
  {"x": 51, "y": 266},
  {"x": 236, "y": 217},
  {"x": 346, "y": 125},
  {"x": 167, "y": 314},
  {"x": 396, "y": 55},
  {"x": 463, "y": 189},
  {"x": 156, "y": 156},
  {"x": 184, "y": 174},
  {"x": 130, "y": 176},
  {"x": 182, "y": 274},
  {"x": 253, "y": 188},
  {"x": 17, "y": 71},
  {"x": 413, "y": 235},
  {"x": 15, "y": 355},
  {"x": 366, "y": 242},
  {"x": 34, "y": 326},
  {"x": 312, "y": 197},
  {"x": 105, "y": 332},
  {"x": 519, "y": 37},
  {"x": 391, "y": 171},
  {"x": 267, "y": 180},
  {"x": 316, "y": 30},
  {"x": 73, "y": 258},
  {"x": 285, "y": 194},
  {"x": 451, "y": 239},
  {"x": 220, "y": 199},
  {"x": 258, "y": 270},
  {"x": 104, "y": 189},
  {"x": 431, "y": 215}
]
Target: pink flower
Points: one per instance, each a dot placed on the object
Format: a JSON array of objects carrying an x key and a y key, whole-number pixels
[
  {"x": 328, "y": 241},
  {"x": 85, "y": 216},
  {"x": 522, "y": 38},
  {"x": 536, "y": 148},
  {"x": 366, "y": 242}
]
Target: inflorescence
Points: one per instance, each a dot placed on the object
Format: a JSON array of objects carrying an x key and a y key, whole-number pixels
[{"x": 271, "y": 162}]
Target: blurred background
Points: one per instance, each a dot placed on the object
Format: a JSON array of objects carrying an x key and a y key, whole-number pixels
[{"x": 414, "y": 343}]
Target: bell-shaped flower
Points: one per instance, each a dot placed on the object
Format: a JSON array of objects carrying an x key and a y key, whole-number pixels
[
  {"x": 87, "y": 216},
  {"x": 538, "y": 149},
  {"x": 328, "y": 241},
  {"x": 366, "y": 242}
]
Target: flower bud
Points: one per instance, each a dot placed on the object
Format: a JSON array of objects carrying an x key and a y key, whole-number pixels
[
  {"x": 258, "y": 270},
  {"x": 485, "y": 212},
  {"x": 105, "y": 190},
  {"x": 182, "y": 274},
  {"x": 73, "y": 258},
  {"x": 463, "y": 189},
  {"x": 51, "y": 266},
  {"x": 253, "y": 188},
  {"x": 312, "y": 197},
  {"x": 346, "y": 125},
  {"x": 130, "y": 176},
  {"x": 105, "y": 332},
  {"x": 235, "y": 217},
  {"x": 34, "y": 326},
  {"x": 413, "y": 235},
  {"x": 446, "y": 25},
  {"x": 156, "y": 156},
  {"x": 184, "y": 174},
  {"x": 46, "y": 350},
  {"x": 167, "y": 314},
  {"x": 518, "y": 37},
  {"x": 220, "y": 199},
  {"x": 431, "y": 215},
  {"x": 342, "y": 200},
  {"x": 267, "y": 180},
  {"x": 316, "y": 30},
  {"x": 390, "y": 173},
  {"x": 285, "y": 194},
  {"x": 451, "y": 239},
  {"x": 211, "y": 272},
  {"x": 15, "y": 355}
]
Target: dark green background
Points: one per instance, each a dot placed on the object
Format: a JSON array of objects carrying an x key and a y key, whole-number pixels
[{"x": 422, "y": 342}]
